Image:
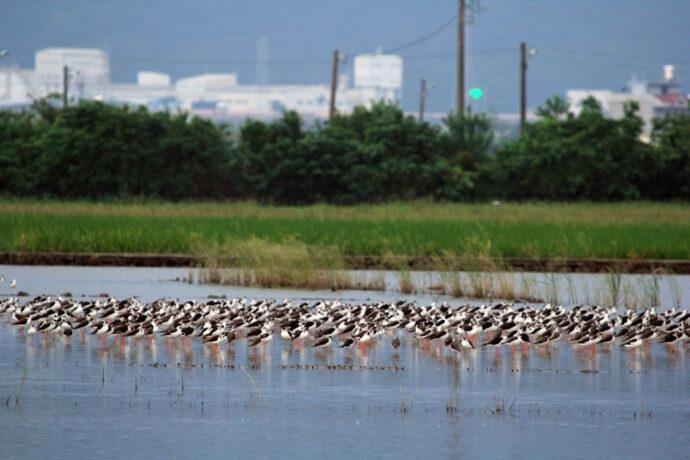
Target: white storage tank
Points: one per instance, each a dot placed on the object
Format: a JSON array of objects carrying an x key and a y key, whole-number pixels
[
  {"x": 153, "y": 79},
  {"x": 378, "y": 71}
]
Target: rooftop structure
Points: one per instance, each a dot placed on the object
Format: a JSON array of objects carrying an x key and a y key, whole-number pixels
[
  {"x": 89, "y": 69},
  {"x": 656, "y": 99}
]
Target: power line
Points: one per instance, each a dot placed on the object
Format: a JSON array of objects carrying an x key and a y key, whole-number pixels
[
  {"x": 424, "y": 38},
  {"x": 608, "y": 55},
  {"x": 595, "y": 62},
  {"x": 447, "y": 55}
]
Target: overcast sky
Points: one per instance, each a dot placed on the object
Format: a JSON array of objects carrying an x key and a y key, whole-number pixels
[{"x": 581, "y": 43}]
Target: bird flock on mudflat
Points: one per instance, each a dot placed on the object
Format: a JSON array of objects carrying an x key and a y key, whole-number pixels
[{"x": 330, "y": 322}]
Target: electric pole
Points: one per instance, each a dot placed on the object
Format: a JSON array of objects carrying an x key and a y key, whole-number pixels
[
  {"x": 422, "y": 99},
  {"x": 334, "y": 83},
  {"x": 523, "y": 86},
  {"x": 65, "y": 86},
  {"x": 460, "y": 60}
]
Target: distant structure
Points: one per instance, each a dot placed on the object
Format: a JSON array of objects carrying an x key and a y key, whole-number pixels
[
  {"x": 89, "y": 68},
  {"x": 219, "y": 96},
  {"x": 656, "y": 99}
]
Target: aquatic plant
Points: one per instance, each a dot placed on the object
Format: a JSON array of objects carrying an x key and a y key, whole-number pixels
[
  {"x": 502, "y": 406},
  {"x": 572, "y": 292},
  {"x": 676, "y": 290},
  {"x": 504, "y": 286},
  {"x": 613, "y": 278},
  {"x": 405, "y": 282},
  {"x": 551, "y": 288},
  {"x": 650, "y": 290},
  {"x": 452, "y": 406},
  {"x": 452, "y": 283},
  {"x": 405, "y": 407},
  {"x": 254, "y": 396},
  {"x": 22, "y": 382}
]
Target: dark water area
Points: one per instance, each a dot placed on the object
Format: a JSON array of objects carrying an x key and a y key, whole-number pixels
[{"x": 88, "y": 396}]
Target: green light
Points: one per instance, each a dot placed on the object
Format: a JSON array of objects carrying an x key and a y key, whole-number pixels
[{"x": 476, "y": 93}]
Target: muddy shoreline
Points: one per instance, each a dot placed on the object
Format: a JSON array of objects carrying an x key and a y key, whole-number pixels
[{"x": 352, "y": 262}]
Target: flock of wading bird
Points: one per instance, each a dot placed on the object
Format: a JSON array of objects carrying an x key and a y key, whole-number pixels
[{"x": 323, "y": 323}]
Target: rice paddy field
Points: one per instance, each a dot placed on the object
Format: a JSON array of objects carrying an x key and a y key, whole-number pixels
[{"x": 532, "y": 230}]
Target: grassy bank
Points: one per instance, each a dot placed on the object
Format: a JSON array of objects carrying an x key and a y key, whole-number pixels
[{"x": 537, "y": 230}]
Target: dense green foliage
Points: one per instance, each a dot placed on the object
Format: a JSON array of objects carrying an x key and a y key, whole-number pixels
[
  {"x": 567, "y": 157},
  {"x": 97, "y": 150},
  {"x": 93, "y": 150}
]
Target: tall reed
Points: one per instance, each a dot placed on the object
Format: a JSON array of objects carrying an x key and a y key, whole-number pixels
[
  {"x": 651, "y": 290},
  {"x": 613, "y": 280}
]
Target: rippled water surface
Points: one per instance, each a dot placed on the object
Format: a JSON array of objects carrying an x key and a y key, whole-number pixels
[{"x": 88, "y": 396}]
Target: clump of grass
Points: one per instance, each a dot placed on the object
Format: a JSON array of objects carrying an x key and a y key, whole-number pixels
[
  {"x": 651, "y": 290},
  {"x": 367, "y": 281},
  {"x": 480, "y": 284},
  {"x": 631, "y": 298},
  {"x": 480, "y": 265},
  {"x": 290, "y": 264},
  {"x": 676, "y": 291},
  {"x": 613, "y": 280},
  {"x": 405, "y": 282},
  {"x": 20, "y": 390},
  {"x": 258, "y": 262},
  {"x": 552, "y": 288},
  {"x": 405, "y": 407},
  {"x": 450, "y": 277},
  {"x": 526, "y": 287},
  {"x": 572, "y": 292},
  {"x": 503, "y": 407},
  {"x": 504, "y": 286},
  {"x": 452, "y": 283},
  {"x": 452, "y": 406}
]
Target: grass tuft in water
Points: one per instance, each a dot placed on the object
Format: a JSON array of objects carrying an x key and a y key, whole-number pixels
[
  {"x": 452, "y": 406},
  {"x": 263, "y": 263},
  {"x": 676, "y": 291},
  {"x": 503, "y": 407},
  {"x": 613, "y": 280},
  {"x": 22, "y": 382},
  {"x": 651, "y": 290}
]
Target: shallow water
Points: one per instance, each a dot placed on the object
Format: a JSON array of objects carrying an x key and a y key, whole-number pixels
[{"x": 87, "y": 396}]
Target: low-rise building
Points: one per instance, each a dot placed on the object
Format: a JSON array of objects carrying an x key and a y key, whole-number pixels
[
  {"x": 654, "y": 99},
  {"x": 377, "y": 77}
]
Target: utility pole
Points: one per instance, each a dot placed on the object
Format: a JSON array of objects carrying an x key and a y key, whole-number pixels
[
  {"x": 422, "y": 99},
  {"x": 65, "y": 86},
  {"x": 460, "y": 60},
  {"x": 523, "y": 86},
  {"x": 334, "y": 83}
]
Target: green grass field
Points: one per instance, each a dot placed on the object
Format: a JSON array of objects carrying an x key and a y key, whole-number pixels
[{"x": 539, "y": 230}]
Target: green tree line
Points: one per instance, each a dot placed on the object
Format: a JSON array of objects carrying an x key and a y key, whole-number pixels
[{"x": 95, "y": 150}]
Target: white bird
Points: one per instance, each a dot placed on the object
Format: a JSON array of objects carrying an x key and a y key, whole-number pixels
[{"x": 13, "y": 284}]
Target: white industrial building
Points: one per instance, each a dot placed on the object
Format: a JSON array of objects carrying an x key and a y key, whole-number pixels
[
  {"x": 89, "y": 69},
  {"x": 654, "y": 99},
  {"x": 219, "y": 95}
]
